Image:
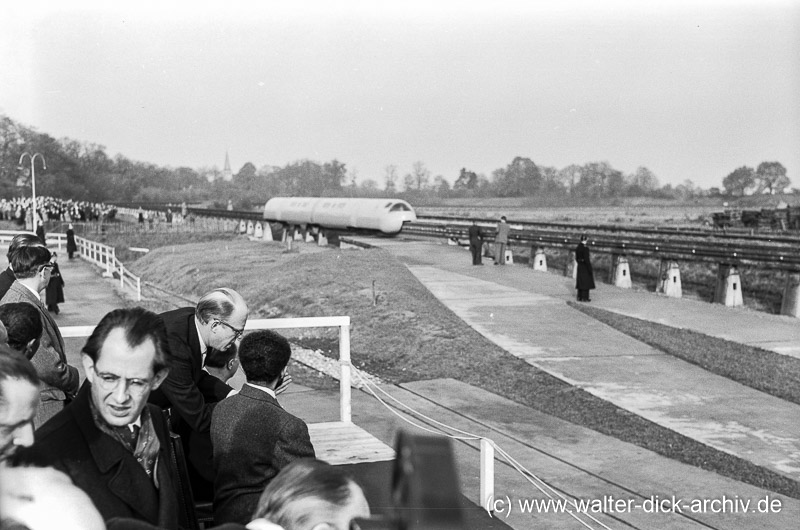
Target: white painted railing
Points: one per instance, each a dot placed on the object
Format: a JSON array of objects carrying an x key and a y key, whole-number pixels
[{"x": 341, "y": 322}]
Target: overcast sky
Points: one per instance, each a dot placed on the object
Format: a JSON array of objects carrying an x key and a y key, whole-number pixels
[{"x": 690, "y": 90}]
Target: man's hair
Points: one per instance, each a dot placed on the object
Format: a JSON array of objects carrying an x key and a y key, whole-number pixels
[
  {"x": 219, "y": 303},
  {"x": 15, "y": 366},
  {"x": 26, "y": 261},
  {"x": 219, "y": 358},
  {"x": 302, "y": 479},
  {"x": 22, "y": 322},
  {"x": 263, "y": 355},
  {"x": 22, "y": 240},
  {"x": 138, "y": 325},
  {"x": 502, "y": 217}
]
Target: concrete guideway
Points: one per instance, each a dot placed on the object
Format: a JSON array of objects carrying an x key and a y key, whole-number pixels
[
  {"x": 777, "y": 333},
  {"x": 579, "y": 462},
  {"x": 525, "y": 313}
]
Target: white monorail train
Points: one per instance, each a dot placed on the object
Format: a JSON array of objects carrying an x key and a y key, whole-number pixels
[{"x": 383, "y": 215}]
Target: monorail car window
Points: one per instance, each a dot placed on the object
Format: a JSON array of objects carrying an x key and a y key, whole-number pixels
[{"x": 400, "y": 207}]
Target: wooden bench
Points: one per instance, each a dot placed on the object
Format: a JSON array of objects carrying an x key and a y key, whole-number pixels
[{"x": 338, "y": 442}]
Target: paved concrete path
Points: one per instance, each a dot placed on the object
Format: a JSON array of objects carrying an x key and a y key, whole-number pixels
[{"x": 525, "y": 313}]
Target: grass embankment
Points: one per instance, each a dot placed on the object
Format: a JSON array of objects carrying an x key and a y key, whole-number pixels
[{"x": 402, "y": 333}]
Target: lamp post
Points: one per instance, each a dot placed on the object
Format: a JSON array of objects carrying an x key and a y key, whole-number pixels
[{"x": 33, "y": 181}]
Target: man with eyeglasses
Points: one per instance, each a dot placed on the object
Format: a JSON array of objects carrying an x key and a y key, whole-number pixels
[
  {"x": 32, "y": 267},
  {"x": 190, "y": 392},
  {"x": 109, "y": 440}
]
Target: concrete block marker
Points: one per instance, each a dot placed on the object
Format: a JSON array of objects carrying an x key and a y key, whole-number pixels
[
  {"x": 268, "y": 232},
  {"x": 250, "y": 228},
  {"x": 791, "y": 295},
  {"x": 539, "y": 261},
  {"x": 669, "y": 282},
  {"x": 729, "y": 286},
  {"x": 322, "y": 239},
  {"x": 509, "y": 257},
  {"x": 242, "y": 227},
  {"x": 309, "y": 236},
  {"x": 258, "y": 231},
  {"x": 297, "y": 234},
  {"x": 622, "y": 272}
]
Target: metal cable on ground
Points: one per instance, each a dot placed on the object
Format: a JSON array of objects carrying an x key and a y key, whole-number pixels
[{"x": 531, "y": 477}]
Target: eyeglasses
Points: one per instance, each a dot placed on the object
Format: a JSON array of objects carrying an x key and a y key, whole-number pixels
[
  {"x": 238, "y": 332},
  {"x": 46, "y": 266},
  {"x": 110, "y": 382}
]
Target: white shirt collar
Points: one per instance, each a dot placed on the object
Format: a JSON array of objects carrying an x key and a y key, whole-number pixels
[
  {"x": 264, "y": 389},
  {"x": 203, "y": 347}
]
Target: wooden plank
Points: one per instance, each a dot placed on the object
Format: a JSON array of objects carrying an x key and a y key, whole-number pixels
[{"x": 346, "y": 443}]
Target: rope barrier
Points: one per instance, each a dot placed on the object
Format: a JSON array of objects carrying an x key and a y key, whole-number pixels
[{"x": 529, "y": 476}]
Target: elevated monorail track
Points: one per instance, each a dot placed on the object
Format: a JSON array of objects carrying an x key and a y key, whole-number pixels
[{"x": 771, "y": 250}]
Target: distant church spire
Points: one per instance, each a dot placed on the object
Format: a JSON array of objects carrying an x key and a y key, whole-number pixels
[{"x": 227, "y": 174}]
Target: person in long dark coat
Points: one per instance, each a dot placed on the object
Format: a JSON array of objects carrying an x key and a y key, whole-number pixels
[
  {"x": 40, "y": 232},
  {"x": 475, "y": 243},
  {"x": 72, "y": 247},
  {"x": 54, "y": 293},
  {"x": 585, "y": 280}
]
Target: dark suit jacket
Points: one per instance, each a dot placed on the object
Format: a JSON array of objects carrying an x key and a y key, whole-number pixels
[
  {"x": 475, "y": 236},
  {"x": 253, "y": 439},
  {"x": 7, "y": 277},
  {"x": 585, "y": 279},
  {"x": 187, "y": 382},
  {"x": 105, "y": 469},
  {"x": 60, "y": 379}
]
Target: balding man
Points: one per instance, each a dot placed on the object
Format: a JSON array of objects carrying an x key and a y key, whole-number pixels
[{"x": 189, "y": 391}]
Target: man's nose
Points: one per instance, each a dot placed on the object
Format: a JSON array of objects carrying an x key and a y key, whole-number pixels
[{"x": 121, "y": 391}]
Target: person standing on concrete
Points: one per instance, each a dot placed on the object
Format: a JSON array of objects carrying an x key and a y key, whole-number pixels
[
  {"x": 585, "y": 280},
  {"x": 54, "y": 292},
  {"x": 40, "y": 232},
  {"x": 72, "y": 248},
  {"x": 501, "y": 241},
  {"x": 475, "y": 243}
]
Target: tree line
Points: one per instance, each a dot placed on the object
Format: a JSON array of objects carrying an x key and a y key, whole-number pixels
[{"x": 83, "y": 171}]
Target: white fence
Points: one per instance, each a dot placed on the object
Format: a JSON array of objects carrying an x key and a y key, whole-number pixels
[
  {"x": 343, "y": 323},
  {"x": 101, "y": 255}
]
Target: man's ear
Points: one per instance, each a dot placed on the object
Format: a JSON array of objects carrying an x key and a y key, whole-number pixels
[
  {"x": 159, "y": 378},
  {"x": 30, "y": 349},
  {"x": 88, "y": 367}
]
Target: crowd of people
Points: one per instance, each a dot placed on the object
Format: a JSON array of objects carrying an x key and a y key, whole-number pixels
[
  {"x": 106, "y": 445},
  {"x": 52, "y": 209}
]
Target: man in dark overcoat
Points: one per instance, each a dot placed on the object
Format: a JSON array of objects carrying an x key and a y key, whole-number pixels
[
  {"x": 475, "y": 243},
  {"x": 111, "y": 443},
  {"x": 585, "y": 278},
  {"x": 72, "y": 247}
]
